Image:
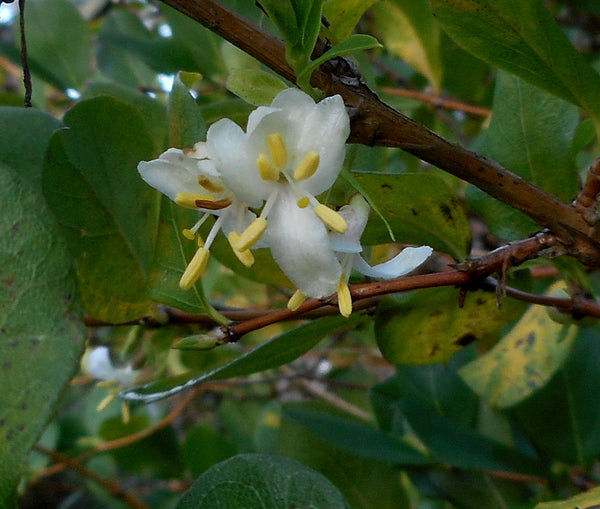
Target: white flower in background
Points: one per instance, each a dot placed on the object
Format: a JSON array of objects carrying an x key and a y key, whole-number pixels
[
  {"x": 98, "y": 365},
  {"x": 190, "y": 179},
  {"x": 291, "y": 151},
  {"x": 347, "y": 248}
]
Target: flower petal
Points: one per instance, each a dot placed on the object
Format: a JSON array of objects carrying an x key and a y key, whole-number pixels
[
  {"x": 101, "y": 367},
  {"x": 300, "y": 245},
  {"x": 408, "y": 260},
  {"x": 228, "y": 147},
  {"x": 356, "y": 215}
]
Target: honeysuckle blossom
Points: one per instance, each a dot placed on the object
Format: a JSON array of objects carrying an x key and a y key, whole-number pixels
[
  {"x": 346, "y": 249},
  {"x": 291, "y": 151},
  {"x": 190, "y": 178}
]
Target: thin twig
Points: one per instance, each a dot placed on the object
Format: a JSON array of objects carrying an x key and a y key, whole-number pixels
[
  {"x": 586, "y": 201},
  {"x": 24, "y": 57}
]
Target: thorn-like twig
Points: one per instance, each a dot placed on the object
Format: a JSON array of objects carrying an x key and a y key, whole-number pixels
[{"x": 24, "y": 57}]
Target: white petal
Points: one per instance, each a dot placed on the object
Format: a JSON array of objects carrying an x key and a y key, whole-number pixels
[
  {"x": 170, "y": 178},
  {"x": 228, "y": 147},
  {"x": 300, "y": 245},
  {"x": 100, "y": 367},
  {"x": 356, "y": 215},
  {"x": 256, "y": 117},
  {"x": 408, "y": 260}
]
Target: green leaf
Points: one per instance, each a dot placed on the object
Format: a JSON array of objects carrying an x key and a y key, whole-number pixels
[
  {"x": 172, "y": 254},
  {"x": 463, "y": 447},
  {"x": 58, "y": 42},
  {"x": 570, "y": 435},
  {"x": 203, "y": 447},
  {"x": 360, "y": 439},
  {"x": 409, "y": 31},
  {"x": 343, "y": 15},
  {"x": 278, "y": 351},
  {"x": 107, "y": 212},
  {"x": 523, "y": 361},
  {"x": 354, "y": 43},
  {"x": 186, "y": 123},
  {"x": 24, "y": 136},
  {"x": 420, "y": 208},
  {"x": 588, "y": 500},
  {"x": 42, "y": 332},
  {"x": 258, "y": 480},
  {"x": 254, "y": 86},
  {"x": 531, "y": 133},
  {"x": 523, "y": 39},
  {"x": 428, "y": 325}
]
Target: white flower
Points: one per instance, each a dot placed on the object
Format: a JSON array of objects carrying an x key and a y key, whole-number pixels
[
  {"x": 98, "y": 364},
  {"x": 292, "y": 151},
  {"x": 190, "y": 178},
  {"x": 347, "y": 248}
]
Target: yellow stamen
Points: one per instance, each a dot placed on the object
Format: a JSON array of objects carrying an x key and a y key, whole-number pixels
[
  {"x": 125, "y": 412},
  {"x": 252, "y": 234},
  {"x": 331, "y": 218},
  {"x": 303, "y": 202},
  {"x": 212, "y": 204},
  {"x": 246, "y": 257},
  {"x": 107, "y": 401},
  {"x": 267, "y": 168},
  {"x": 209, "y": 185},
  {"x": 308, "y": 166},
  {"x": 296, "y": 300},
  {"x": 188, "y": 200},
  {"x": 194, "y": 269},
  {"x": 344, "y": 299},
  {"x": 278, "y": 150},
  {"x": 188, "y": 234},
  {"x": 200, "y": 241},
  {"x": 107, "y": 383}
]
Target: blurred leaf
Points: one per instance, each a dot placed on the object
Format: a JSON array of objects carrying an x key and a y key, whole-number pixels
[
  {"x": 42, "y": 332},
  {"x": 460, "y": 446},
  {"x": 562, "y": 418},
  {"x": 428, "y": 325},
  {"x": 523, "y": 39},
  {"x": 531, "y": 134},
  {"x": 254, "y": 86},
  {"x": 186, "y": 123},
  {"x": 114, "y": 60},
  {"x": 364, "y": 483},
  {"x": 58, "y": 42},
  {"x": 409, "y": 31},
  {"x": 523, "y": 361},
  {"x": 278, "y": 351},
  {"x": 343, "y": 15},
  {"x": 203, "y": 447},
  {"x": 107, "y": 212},
  {"x": 358, "y": 438},
  {"x": 258, "y": 480},
  {"x": 420, "y": 208},
  {"x": 24, "y": 136},
  {"x": 587, "y": 500},
  {"x": 172, "y": 254}
]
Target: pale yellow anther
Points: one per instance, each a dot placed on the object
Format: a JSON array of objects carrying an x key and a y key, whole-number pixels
[
  {"x": 308, "y": 166},
  {"x": 296, "y": 300},
  {"x": 200, "y": 241},
  {"x": 188, "y": 200},
  {"x": 246, "y": 257},
  {"x": 267, "y": 168},
  {"x": 188, "y": 234},
  {"x": 278, "y": 150},
  {"x": 303, "y": 202},
  {"x": 107, "y": 401},
  {"x": 331, "y": 218},
  {"x": 252, "y": 234},
  {"x": 344, "y": 299},
  {"x": 125, "y": 412},
  {"x": 194, "y": 269},
  {"x": 107, "y": 383},
  {"x": 209, "y": 185}
]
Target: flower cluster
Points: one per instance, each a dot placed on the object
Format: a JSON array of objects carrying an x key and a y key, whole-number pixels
[{"x": 291, "y": 152}]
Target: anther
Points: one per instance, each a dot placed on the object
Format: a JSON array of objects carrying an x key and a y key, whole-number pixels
[
  {"x": 188, "y": 200},
  {"x": 209, "y": 185},
  {"x": 194, "y": 269},
  {"x": 246, "y": 257},
  {"x": 267, "y": 168},
  {"x": 188, "y": 234},
  {"x": 308, "y": 166},
  {"x": 344, "y": 299},
  {"x": 278, "y": 150},
  {"x": 303, "y": 202},
  {"x": 107, "y": 401},
  {"x": 125, "y": 412},
  {"x": 296, "y": 300},
  {"x": 331, "y": 218},
  {"x": 212, "y": 204},
  {"x": 252, "y": 234}
]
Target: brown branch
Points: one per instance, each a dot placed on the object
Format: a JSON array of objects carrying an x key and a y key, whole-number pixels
[
  {"x": 111, "y": 486},
  {"x": 586, "y": 201},
  {"x": 375, "y": 123},
  {"x": 24, "y": 58}
]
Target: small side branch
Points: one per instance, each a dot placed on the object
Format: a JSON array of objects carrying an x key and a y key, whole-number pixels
[
  {"x": 24, "y": 57},
  {"x": 586, "y": 202}
]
